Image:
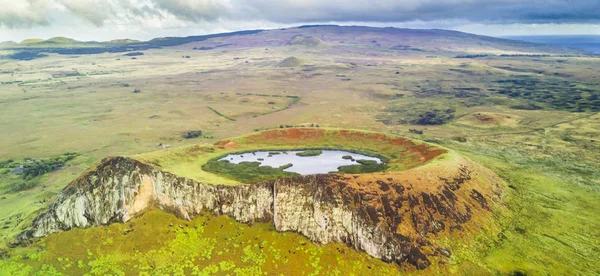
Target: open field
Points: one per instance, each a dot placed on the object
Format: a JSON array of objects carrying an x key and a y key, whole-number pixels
[{"x": 531, "y": 119}]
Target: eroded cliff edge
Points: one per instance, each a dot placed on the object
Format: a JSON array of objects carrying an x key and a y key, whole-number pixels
[{"x": 395, "y": 216}]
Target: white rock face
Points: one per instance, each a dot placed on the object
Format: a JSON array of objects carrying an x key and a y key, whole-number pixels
[
  {"x": 303, "y": 208},
  {"x": 121, "y": 188}
]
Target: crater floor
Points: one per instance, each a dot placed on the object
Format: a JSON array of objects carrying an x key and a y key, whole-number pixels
[{"x": 426, "y": 199}]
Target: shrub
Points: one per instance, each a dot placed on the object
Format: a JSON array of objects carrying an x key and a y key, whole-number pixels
[
  {"x": 369, "y": 166},
  {"x": 527, "y": 106},
  {"x": 192, "y": 134},
  {"x": 286, "y": 166},
  {"x": 133, "y": 54},
  {"x": 31, "y": 170},
  {"x": 247, "y": 171},
  {"x": 315, "y": 152},
  {"x": 367, "y": 162},
  {"x": 460, "y": 139},
  {"x": 25, "y": 185},
  {"x": 435, "y": 117}
]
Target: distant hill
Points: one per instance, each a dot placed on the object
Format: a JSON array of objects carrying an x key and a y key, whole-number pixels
[
  {"x": 390, "y": 39},
  {"x": 31, "y": 41},
  {"x": 315, "y": 37},
  {"x": 584, "y": 42},
  {"x": 291, "y": 62},
  {"x": 62, "y": 40},
  {"x": 123, "y": 41},
  {"x": 307, "y": 41},
  {"x": 53, "y": 40}
]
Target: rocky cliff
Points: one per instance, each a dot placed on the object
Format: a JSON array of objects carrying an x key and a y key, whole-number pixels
[{"x": 392, "y": 216}]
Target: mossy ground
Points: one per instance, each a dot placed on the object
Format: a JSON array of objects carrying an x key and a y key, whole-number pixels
[
  {"x": 550, "y": 224},
  {"x": 251, "y": 172},
  {"x": 246, "y": 172},
  {"x": 547, "y": 226},
  {"x": 188, "y": 161},
  {"x": 158, "y": 243},
  {"x": 310, "y": 152}
]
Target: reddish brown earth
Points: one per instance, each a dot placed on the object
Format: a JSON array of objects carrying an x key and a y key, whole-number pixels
[
  {"x": 377, "y": 142},
  {"x": 418, "y": 207},
  {"x": 451, "y": 197},
  {"x": 416, "y": 214}
]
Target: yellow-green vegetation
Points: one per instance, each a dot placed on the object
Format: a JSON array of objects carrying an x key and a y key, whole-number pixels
[
  {"x": 548, "y": 156},
  {"x": 61, "y": 40},
  {"x": 200, "y": 162},
  {"x": 363, "y": 166},
  {"x": 547, "y": 227},
  {"x": 246, "y": 172},
  {"x": 310, "y": 152},
  {"x": 17, "y": 209},
  {"x": 220, "y": 114},
  {"x": 32, "y": 41},
  {"x": 161, "y": 244},
  {"x": 22, "y": 175}
]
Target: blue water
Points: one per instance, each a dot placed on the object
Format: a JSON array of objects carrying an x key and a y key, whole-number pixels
[{"x": 328, "y": 161}]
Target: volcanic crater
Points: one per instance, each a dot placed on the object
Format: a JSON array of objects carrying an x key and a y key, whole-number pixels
[{"x": 425, "y": 195}]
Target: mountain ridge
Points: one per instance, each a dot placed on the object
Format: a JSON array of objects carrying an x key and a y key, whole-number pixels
[{"x": 432, "y": 40}]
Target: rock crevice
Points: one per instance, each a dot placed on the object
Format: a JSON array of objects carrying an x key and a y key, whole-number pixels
[{"x": 384, "y": 215}]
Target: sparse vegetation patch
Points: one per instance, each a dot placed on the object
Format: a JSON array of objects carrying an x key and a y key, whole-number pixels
[
  {"x": 310, "y": 152},
  {"x": 192, "y": 134},
  {"x": 246, "y": 172},
  {"x": 220, "y": 114},
  {"x": 22, "y": 175},
  {"x": 363, "y": 166}
]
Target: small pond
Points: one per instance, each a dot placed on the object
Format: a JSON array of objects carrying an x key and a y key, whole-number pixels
[{"x": 311, "y": 163}]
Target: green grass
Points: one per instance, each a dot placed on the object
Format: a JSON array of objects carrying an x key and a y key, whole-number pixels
[
  {"x": 310, "y": 152},
  {"x": 17, "y": 209},
  {"x": 188, "y": 161},
  {"x": 363, "y": 166},
  {"x": 550, "y": 224},
  {"x": 220, "y": 114},
  {"x": 16, "y": 176},
  {"x": 546, "y": 226},
  {"x": 158, "y": 243},
  {"x": 247, "y": 172}
]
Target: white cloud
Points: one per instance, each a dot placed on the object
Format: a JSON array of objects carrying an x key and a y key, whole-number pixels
[
  {"x": 23, "y": 13},
  {"x": 139, "y": 18}
]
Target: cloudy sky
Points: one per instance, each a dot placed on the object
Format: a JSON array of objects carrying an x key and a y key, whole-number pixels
[{"x": 146, "y": 19}]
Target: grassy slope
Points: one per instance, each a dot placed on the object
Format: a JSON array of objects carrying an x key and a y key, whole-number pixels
[
  {"x": 187, "y": 161},
  {"x": 545, "y": 228},
  {"x": 17, "y": 209},
  {"x": 160, "y": 244},
  {"x": 557, "y": 211},
  {"x": 548, "y": 225}
]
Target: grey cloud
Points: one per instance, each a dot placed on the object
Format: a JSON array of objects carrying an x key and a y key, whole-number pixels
[
  {"x": 97, "y": 12},
  {"x": 194, "y": 10},
  {"x": 489, "y": 11},
  {"x": 24, "y": 13}
]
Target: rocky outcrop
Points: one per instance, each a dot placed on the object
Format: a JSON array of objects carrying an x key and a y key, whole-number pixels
[
  {"x": 391, "y": 216},
  {"x": 121, "y": 188}
]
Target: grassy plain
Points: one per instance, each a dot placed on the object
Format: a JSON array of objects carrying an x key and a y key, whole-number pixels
[{"x": 548, "y": 155}]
